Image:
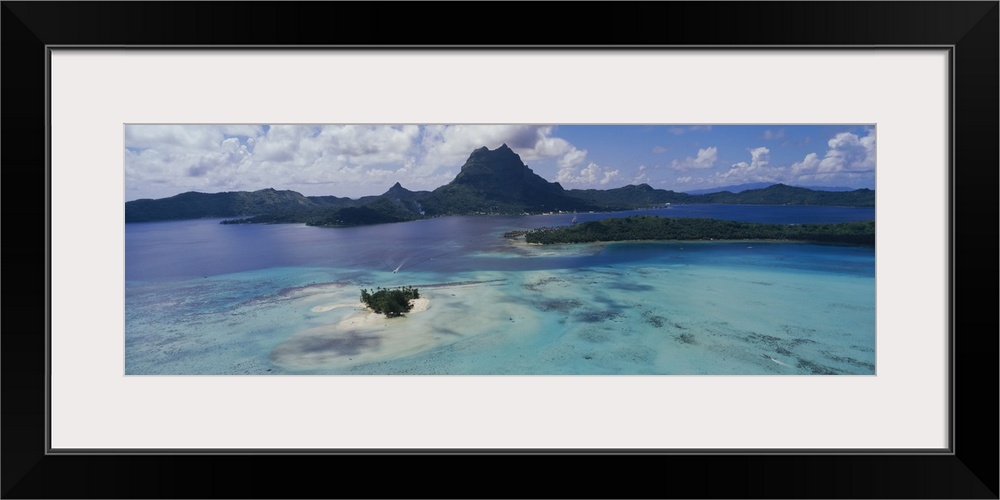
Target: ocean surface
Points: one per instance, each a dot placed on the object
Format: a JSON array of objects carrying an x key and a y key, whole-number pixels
[{"x": 204, "y": 298}]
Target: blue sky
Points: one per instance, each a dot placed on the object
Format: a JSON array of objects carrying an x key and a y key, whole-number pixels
[{"x": 359, "y": 160}]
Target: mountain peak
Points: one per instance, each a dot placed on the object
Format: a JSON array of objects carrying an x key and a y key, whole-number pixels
[
  {"x": 502, "y": 158},
  {"x": 397, "y": 190},
  {"x": 502, "y": 177}
]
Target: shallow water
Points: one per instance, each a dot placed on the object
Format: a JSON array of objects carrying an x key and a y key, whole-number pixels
[{"x": 205, "y": 298}]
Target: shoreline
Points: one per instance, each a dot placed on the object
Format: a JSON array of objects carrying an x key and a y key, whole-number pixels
[
  {"x": 520, "y": 241},
  {"x": 607, "y": 242},
  {"x": 654, "y": 228},
  {"x": 360, "y": 337},
  {"x": 418, "y": 305}
]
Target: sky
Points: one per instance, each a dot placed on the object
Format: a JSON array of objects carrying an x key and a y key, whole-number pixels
[{"x": 361, "y": 160}]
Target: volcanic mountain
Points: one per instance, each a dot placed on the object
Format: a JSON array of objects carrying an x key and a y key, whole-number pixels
[{"x": 498, "y": 181}]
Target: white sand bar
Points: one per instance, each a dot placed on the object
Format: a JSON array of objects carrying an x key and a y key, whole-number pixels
[{"x": 439, "y": 317}]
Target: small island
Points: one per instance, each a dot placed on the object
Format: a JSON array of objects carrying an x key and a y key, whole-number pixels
[
  {"x": 392, "y": 302},
  {"x": 647, "y": 227}
]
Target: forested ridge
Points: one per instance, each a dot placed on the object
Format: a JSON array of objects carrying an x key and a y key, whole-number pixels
[{"x": 647, "y": 227}]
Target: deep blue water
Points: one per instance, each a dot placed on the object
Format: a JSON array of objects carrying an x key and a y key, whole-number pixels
[{"x": 193, "y": 248}]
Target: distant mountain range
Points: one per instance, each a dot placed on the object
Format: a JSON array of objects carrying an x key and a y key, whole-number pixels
[
  {"x": 739, "y": 188},
  {"x": 490, "y": 182}
]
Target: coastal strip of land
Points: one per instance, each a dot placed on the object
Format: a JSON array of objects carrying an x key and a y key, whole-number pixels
[{"x": 651, "y": 228}]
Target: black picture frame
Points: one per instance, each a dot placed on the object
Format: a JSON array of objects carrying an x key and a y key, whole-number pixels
[{"x": 969, "y": 470}]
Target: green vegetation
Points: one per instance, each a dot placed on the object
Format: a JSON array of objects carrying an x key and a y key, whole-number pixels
[
  {"x": 193, "y": 205},
  {"x": 377, "y": 211},
  {"x": 392, "y": 302},
  {"x": 647, "y": 227},
  {"x": 780, "y": 194},
  {"x": 628, "y": 197},
  {"x": 644, "y": 196}
]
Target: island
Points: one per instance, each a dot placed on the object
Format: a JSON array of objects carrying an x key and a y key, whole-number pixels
[
  {"x": 647, "y": 227},
  {"x": 491, "y": 182},
  {"x": 392, "y": 302}
]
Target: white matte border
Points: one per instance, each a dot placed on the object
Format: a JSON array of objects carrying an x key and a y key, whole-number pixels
[{"x": 903, "y": 92}]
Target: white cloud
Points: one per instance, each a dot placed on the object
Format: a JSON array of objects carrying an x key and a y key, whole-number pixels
[
  {"x": 450, "y": 145},
  {"x": 808, "y": 164},
  {"x": 609, "y": 176},
  {"x": 759, "y": 158},
  {"x": 660, "y": 149},
  {"x": 169, "y": 159},
  {"x": 757, "y": 170},
  {"x": 640, "y": 176},
  {"x": 573, "y": 158},
  {"x": 770, "y": 135},
  {"x": 166, "y": 160},
  {"x": 848, "y": 157},
  {"x": 183, "y": 139},
  {"x": 705, "y": 159},
  {"x": 348, "y": 157},
  {"x": 850, "y": 153},
  {"x": 590, "y": 175},
  {"x": 343, "y": 160},
  {"x": 352, "y": 171}
]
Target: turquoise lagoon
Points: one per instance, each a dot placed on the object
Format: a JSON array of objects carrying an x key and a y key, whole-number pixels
[{"x": 202, "y": 298}]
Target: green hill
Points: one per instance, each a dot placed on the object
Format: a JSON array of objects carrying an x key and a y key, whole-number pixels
[
  {"x": 194, "y": 205},
  {"x": 629, "y": 197},
  {"x": 646, "y": 227},
  {"x": 780, "y": 194}
]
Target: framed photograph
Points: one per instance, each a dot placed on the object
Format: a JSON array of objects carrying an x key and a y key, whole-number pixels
[
  {"x": 484, "y": 266},
  {"x": 478, "y": 287}
]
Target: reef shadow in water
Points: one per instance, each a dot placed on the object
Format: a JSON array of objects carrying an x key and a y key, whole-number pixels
[
  {"x": 561, "y": 305},
  {"x": 351, "y": 344},
  {"x": 597, "y": 316},
  {"x": 631, "y": 287}
]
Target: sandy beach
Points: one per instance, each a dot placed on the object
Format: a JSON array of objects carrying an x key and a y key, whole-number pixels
[
  {"x": 439, "y": 318},
  {"x": 362, "y": 336},
  {"x": 330, "y": 307},
  {"x": 418, "y": 305}
]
